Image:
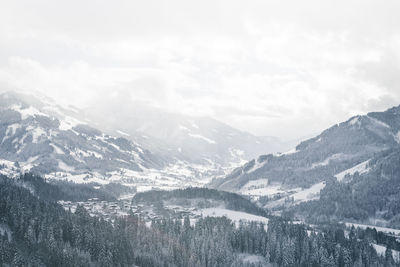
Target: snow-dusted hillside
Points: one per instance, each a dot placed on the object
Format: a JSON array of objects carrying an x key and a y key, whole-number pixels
[
  {"x": 196, "y": 140},
  {"x": 39, "y": 136},
  {"x": 148, "y": 147},
  {"x": 235, "y": 216},
  {"x": 344, "y": 149},
  {"x": 350, "y": 171}
]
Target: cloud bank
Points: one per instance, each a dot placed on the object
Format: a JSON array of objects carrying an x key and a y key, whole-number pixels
[{"x": 283, "y": 68}]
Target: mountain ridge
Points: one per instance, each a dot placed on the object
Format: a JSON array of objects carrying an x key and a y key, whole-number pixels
[{"x": 336, "y": 149}]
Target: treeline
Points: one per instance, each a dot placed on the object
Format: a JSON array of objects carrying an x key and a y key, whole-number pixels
[
  {"x": 63, "y": 190},
  {"x": 372, "y": 235},
  {"x": 44, "y": 234},
  {"x": 232, "y": 201},
  {"x": 360, "y": 197}
]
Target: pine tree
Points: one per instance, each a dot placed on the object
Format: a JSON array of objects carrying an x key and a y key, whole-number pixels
[{"x": 389, "y": 258}]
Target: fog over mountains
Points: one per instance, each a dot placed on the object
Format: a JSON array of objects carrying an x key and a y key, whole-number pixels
[
  {"x": 193, "y": 139},
  {"x": 94, "y": 163},
  {"x": 152, "y": 149},
  {"x": 200, "y": 133},
  {"x": 150, "y": 146}
]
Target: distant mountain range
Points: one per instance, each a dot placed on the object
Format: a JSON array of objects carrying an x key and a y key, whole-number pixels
[
  {"x": 159, "y": 150},
  {"x": 197, "y": 140},
  {"x": 348, "y": 172}
]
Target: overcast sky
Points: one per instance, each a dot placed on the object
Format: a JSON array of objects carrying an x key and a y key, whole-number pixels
[{"x": 281, "y": 68}]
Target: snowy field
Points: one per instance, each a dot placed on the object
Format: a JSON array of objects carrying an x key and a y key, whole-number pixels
[
  {"x": 382, "y": 249},
  {"x": 360, "y": 168},
  {"x": 235, "y": 216},
  {"x": 300, "y": 195},
  {"x": 260, "y": 187},
  {"x": 254, "y": 259}
]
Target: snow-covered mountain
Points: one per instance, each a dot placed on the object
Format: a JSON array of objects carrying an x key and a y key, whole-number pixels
[
  {"x": 196, "y": 140},
  {"x": 345, "y": 148},
  {"x": 42, "y": 137}
]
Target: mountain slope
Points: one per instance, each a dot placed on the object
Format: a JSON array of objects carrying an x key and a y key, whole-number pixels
[
  {"x": 194, "y": 198},
  {"x": 71, "y": 141},
  {"x": 370, "y": 194},
  {"x": 322, "y": 158},
  {"x": 48, "y": 139},
  {"x": 196, "y": 140}
]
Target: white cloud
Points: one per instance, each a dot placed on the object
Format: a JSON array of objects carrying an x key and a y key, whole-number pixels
[{"x": 283, "y": 68}]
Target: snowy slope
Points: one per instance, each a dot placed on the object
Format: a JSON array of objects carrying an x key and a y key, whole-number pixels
[
  {"x": 195, "y": 140},
  {"x": 344, "y": 149},
  {"x": 360, "y": 168},
  {"x": 297, "y": 195},
  {"x": 42, "y": 137},
  {"x": 38, "y": 135},
  {"x": 235, "y": 216},
  {"x": 380, "y": 250}
]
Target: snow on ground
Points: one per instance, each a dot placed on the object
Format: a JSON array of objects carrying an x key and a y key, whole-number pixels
[
  {"x": 236, "y": 152},
  {"x": 115, "y": 146},
  {"x": 27, "y": 112},
  {"x": 6, "y": 163},
  {"x": 256, "y": 166},
  {"x": 144, "y": 188},
  {"x": 378, "y": 122},
  {"x": 122, "y": 133},
  {"x": 289, "y": 152},
  {"x": 95, "y": 154},
  {"x": 127, "y": 197},
  {"x": 57, "y": 150},
  {"x": 83, "y": 178},
  {"x": 235, "y": 216},
  {"x": 354, "y": 121},
  {"x": 29, "y": 164},
  {"x": 309, "y": 193},
  {"x": 382, "y": 249},
  {"x": 68, "y": 123},
  {"x": 266, "y": 191},
  {"x": 8, "y": 168},
  {"x": 11, "y": 129},
  {"x": 360, "y": 168},
  {"x": 63, "y": 166},
  {"x": 177, "y": 175},
  {"x": 325, "y": 162},
  {"x": 253, "y": 259},
  {"x": 300, "y": 195},
  {"x": 208, "y": 140},
  {"x": 36, "y": 133},
  {"x": 261, "y": 187},
  {"x": 380, "y": 229},
  {"x": 255, "y": 183},
  {"x": 397, "y": 137}
]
